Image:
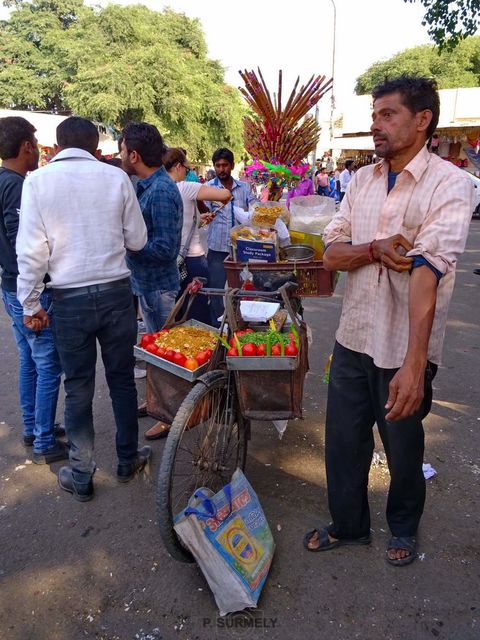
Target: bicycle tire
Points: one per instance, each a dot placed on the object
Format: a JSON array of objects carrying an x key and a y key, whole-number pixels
[{"x": 216, "y": 385}]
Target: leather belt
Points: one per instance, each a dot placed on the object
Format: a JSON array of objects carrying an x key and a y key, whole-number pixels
[{"x": 91, "y": 288}]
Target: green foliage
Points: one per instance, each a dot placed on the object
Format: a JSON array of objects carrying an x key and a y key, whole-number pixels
[
  {"x": 451, "y": 69},
  {"x": 450, "y": 22},
  {"x": 118, "y": 64}
]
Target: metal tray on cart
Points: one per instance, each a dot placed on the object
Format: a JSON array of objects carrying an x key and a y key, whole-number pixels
[
  {"x": 259, "y": 363},
  {"x": 171, "y": 367}
]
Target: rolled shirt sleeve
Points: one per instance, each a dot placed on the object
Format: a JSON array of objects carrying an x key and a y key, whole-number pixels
[{"x": 442, "y": 236}]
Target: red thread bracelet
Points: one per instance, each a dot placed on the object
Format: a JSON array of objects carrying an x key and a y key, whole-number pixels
[{"x": 370, "y": 252}]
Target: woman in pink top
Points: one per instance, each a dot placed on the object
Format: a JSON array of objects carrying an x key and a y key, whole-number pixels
[{"x": 304, "y": 188}]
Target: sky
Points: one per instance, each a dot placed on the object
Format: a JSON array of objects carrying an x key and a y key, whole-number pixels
[{"x": 297, "y": 37}]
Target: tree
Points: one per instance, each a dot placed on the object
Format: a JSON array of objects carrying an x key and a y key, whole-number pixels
[
  {"x": 450, "y": 22},
  {"x": 451, "y": 69},
  {"x": 118, "y": 64}
]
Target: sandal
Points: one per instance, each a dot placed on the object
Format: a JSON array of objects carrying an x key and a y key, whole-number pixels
[
  {"x": 325, "y": 543},
  {"x": 404, "y": 543}
]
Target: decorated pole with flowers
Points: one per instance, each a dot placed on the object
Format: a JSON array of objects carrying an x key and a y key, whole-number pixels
[{"x": 280, "y": 139}]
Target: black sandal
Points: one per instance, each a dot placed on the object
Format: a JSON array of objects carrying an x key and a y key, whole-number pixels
[
  {"x": 325, "y": 544},
  {"x": 404, "y": 543}
]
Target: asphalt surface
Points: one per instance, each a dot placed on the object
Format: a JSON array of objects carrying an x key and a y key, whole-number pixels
[{"x": 70, "y": 571}]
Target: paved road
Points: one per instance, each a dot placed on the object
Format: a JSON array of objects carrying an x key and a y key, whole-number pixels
[{"x": 98, "y": 570}]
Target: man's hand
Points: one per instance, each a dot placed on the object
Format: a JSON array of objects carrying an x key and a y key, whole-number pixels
[
  {"x": 37, "y": 322},
  {"x": 206, "y": 218},
  {"x": 386, "y": 251},
  {"x": 406, "y": 391}
]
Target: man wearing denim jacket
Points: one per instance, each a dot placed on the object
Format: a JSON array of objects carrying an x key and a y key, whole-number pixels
[{"x": 40, "y": 370}]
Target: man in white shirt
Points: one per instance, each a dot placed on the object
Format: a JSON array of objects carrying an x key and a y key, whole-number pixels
[
  {"x": 345, "y": 178},
  {"x": 77, "y": 218}
]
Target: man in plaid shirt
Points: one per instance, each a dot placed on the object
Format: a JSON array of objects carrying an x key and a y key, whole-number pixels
[
  {"x": 400, "y": 228},
  {"x": 155, "y": 278}
]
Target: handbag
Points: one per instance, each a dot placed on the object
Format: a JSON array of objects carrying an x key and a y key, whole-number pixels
[{"x": 181, "y": 264}]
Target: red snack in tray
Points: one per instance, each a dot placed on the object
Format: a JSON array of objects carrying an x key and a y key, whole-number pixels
[
  {"x": 203, "y": 357},
  {"x": 291, "y": 349},
  {"x": 276, "y": 350},
  {"x": 148, "y": 338},
  {"x": 161, "y": 352},
  {"x": 232, "y": 352},
  {"x": 179, "y": 359},
  {"x": 249, "y": 349},
  {"x": 262, "y": 349},
  {"x": 169, "y": 355},
  {"x": 151, "y": 348}
]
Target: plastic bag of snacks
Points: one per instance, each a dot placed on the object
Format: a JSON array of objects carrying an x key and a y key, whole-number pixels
[
  {"x": 266, "y": 213},
  {"x": 229, "y": 537},
  {"x": 311, "y": 214}
]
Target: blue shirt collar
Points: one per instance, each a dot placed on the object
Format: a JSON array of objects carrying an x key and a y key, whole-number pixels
[{"x": 147, "y": 182}]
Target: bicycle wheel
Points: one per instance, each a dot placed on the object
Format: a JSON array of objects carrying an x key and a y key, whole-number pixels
[{"x": 206, "y": 443}]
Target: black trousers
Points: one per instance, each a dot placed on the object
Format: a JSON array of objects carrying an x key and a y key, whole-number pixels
[{"x": 357, "y": 393}]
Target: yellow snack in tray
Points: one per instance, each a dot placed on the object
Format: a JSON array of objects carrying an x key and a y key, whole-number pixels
[{"x": 187, "y": 340}]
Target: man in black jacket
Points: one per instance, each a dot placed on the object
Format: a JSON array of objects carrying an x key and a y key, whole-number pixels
[{"x": 40, "y": 371}]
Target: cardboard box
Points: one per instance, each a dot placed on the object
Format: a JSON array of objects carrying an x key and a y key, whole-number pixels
[{"x": 256, "y": 251}]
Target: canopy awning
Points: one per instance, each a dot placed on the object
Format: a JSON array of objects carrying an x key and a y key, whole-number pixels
[{"x": 46, "y": 125}]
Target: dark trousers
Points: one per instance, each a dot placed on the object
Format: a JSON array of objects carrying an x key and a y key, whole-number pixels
[
  {"x": 357, "y": 393},
  {"x": 216, "y": 280},
  {"x": 80, "y": 320}
]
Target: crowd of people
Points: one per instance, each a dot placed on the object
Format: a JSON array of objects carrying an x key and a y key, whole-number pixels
[
  {"x": 100, "y": 243},
  {"x": 80, "y": 227},
  {"x": 333, "y": 183}
]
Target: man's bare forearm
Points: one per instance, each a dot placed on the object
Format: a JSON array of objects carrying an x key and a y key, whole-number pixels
[
  {"x": 421, "y": 311},
  {"x": 343, "y": 256}
]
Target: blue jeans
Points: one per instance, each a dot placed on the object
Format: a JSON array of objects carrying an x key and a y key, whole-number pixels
[
  {"x": 216, "y": 280},
  {"x": 39, "y": 374},
  {"x": 156, "y": 307},
  {"x": 80, "y": 320},
  {"x": 200, "y": 309}
]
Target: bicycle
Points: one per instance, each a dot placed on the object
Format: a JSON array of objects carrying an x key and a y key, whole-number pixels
[{"x": 208, "y": 439}]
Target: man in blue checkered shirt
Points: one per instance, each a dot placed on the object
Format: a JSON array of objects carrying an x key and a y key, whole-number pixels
[
  {"x": 219, "y": 229},
  {"x": 155, "y": 278}
]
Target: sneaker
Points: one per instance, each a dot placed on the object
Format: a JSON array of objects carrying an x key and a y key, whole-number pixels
[
  {"x": 126, "y": 471},
  {"x": 58, "y": 431},
  {"x": 83, "y": 492},
  {"x": 139, "y": 373},
  {"x": 59, "y": 451}
]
